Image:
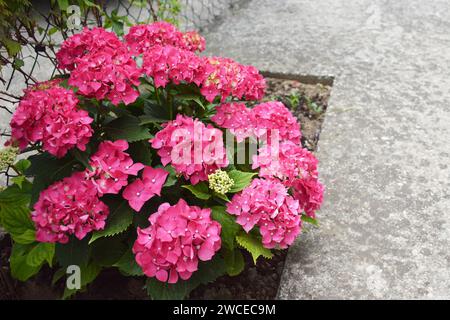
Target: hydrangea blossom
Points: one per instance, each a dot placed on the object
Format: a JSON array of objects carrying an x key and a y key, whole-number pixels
[
  {"x": 51, "y": 116},
  {"x": 193, "y": 149},
  {"x": 142, "y": 190},
  {"x": 110, "y": 74},
  {"x": 237, "y": 118},
  {"x": 177, "y": 238},
  {"x": 171, "y": 64},
  {"x": 193, "y": 41},
  {"x": 271, "y": 116},
  {"x": 89, "y": 41},
  {"x": 111, "y": 166},
  {"x": 70, "y": 206},
  {"x": 220, "y": 182},
  {"x": 267, "y": 204},
  {"x": 225, "y": 77},
  {"x": 296, "y": 167},
  {"x": 143, "y": 37}
]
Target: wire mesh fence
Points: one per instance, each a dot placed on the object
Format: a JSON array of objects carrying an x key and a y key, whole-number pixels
[
  {"x": 31, "y": 38},
  {"x": 32, "y": 31}
]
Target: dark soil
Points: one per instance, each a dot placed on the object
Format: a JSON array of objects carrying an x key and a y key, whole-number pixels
[{"x": 261, "y": 281}]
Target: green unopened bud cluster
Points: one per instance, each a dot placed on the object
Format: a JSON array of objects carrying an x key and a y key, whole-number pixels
[
  {"x": 220, "y": 182},
  {"x": 7, "y": 157}
]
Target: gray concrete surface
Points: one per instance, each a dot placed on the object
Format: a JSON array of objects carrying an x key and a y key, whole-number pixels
[{"x": 385, "y": 145}]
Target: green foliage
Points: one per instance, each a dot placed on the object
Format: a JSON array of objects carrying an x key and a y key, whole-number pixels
[
  {"x": 207, "y": 272},
  {"x": 229, "y": 226},
  {"x": 200, "y": 190},
  {"x": 127, "y": 264},
  {"x": 252, "y": 244},
  {"x": 41, "y": 252},
  {"x": 75, "y": 252},
  {"x": 234, "y": 261},
  {"x": 119, "y": 219},
  {"x": 310, "y": 220},
  {"x": 241, "y": 179},
  {"x": 128, "y": 128},
  {"x": 20, "y": 269},
  {"x": 88, "y": 274}
]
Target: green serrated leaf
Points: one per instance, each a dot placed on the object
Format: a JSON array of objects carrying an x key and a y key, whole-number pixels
[
  {"x": 241, "y": 179},
  {"x": 119, "y": 219},
  {"x": 22, "y": 165},
  {"x": 200, "y": 190},
  {"x": 12, "y": 47},
  {"x": 14, "y": 196},
  {"x": 29, "y": 236},
  {"x": 253, "y": 245},
  {"x": 20, "y": 269},
  {"x": 43, "y": 251},
  {"x": 234, "y": 261},
  {"x": 16, "y": 219},
  {"x": 127, "y": 264},
  {"x": 310, "y": 220},
  {"x": 229, "y": 226},
  {"x": 128, "y": 128},
  {"x": 19, "y": 180},
  {"x": 207, "y": 272}
]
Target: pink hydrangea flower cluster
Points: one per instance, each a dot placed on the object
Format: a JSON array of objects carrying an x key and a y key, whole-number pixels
[
  {"x": 193, "y": 149},
  {"x": 265, "y": 120},
  {"x": 111, "y": 166},
  {"x": 296, "y": 167},
  {"x": 51, "y": 116},
  {"x": 89, "y": 41},
  {"x": 143, "y": 37},
  {"x": 171, "y": 64},
  {"x": 267, "y": 204},
  {"x": 110, "y": 74},
  {"x": 237, "y": 118},
  {"x": 141, "y": 190},
  {"x": 229, "y": 78},
  {"x": 178, "y": 237},
  {"x": 70, "y": 206},
  {"x": 194, "y": 42}
]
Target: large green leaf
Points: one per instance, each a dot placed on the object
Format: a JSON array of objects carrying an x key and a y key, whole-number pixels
[
  {"x": 207, "y": 272},
  {"x": 234, "y": 260},
  {"x": 75, "y": 252},
  {"x": 128, "y": 128},
  {"x": 241, "y": 179},
  {"x": 229, "y": 226},
  {"x": 29, "y": 236},
  {"x": 253, "y": 245},
  {"x": 46, "y": 170},
  {"x": 20, "y": 269},
  {"x": 200, "y": 190},
  {"x": 41, "y": 252},
  {"x": 127, "y": 264},
  {"x": 107, "y": 251},
  {"x": 88, "y": 274},
  {"x": 140, "y": 152},
  {"x": 119, "y": 219},
  {"x": 14, "y": 196}
]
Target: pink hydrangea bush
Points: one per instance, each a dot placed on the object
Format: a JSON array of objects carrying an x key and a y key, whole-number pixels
[{"x": 133, "y": 169}]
